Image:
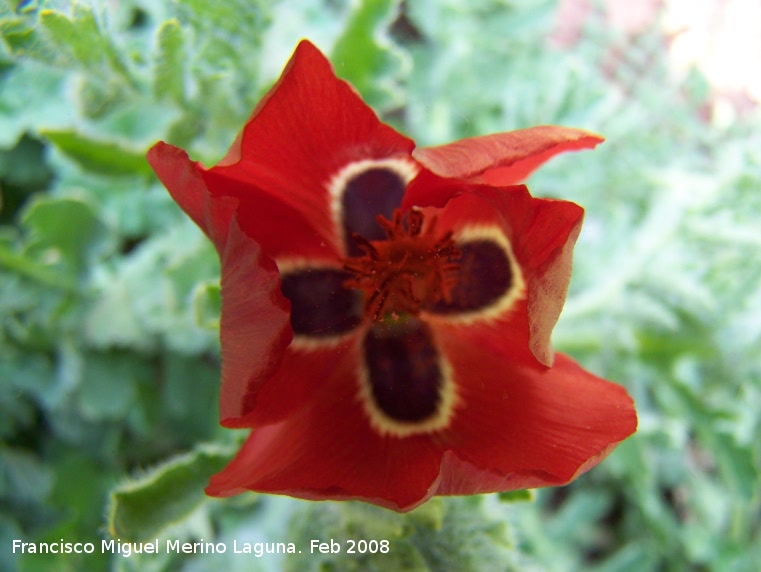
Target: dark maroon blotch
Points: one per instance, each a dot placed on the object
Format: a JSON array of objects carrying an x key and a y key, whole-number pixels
[
  {"x": 485, "y": 275},
  {"x": 403, "y": 370},
  {"x": 376, "y": 191},
  {"x": 320, "y": 304}
]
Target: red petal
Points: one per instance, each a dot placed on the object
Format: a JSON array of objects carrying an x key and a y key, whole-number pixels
[
  {"x": 542, "y": 233},
  {"x": 528, "y": 426},
  {"x": 504, "y": 158},
  {"x": 518, "y": 427},
  {"x": 255, "y": 325},
  {"x": 301, "y": 375},
  {"x": 308, "y": 127},
  {"x": 429, "y": 190},
  {"x": 181, "y": 178},
  {"x": 328, "y": 451},
  {"x": 282, "y": 231}
]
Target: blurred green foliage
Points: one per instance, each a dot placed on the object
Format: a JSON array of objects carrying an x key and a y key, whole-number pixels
[{"x": 109, "y": 296}]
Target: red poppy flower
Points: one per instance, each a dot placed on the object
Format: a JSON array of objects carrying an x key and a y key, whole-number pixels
[{"x": 386, "y": 310}]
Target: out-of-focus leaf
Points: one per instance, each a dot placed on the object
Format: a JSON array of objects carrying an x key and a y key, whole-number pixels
[
  {"x": 78, "y": 496},
  {"x": 523, "y": 495},
  {"x": 186, "y": 269},
  {"x": 105, "y": 157},
  {"x": 23, "y": 266},
  {"x": 578, "y": 514},
  {"x": 108, "y": 384},
  {"x": 365, "y": 56},
  {"x": 148, "y": 297},
  {"x": 207, "y": 303},
  {"x": 633, "y": 557},
  {"x": 189, "y": 393},
  {"x": 20, "y": 36},
  {"x": 83, "y": 39},
  {"x": 62, "y": 227},
  {"x": 239, "y": 17},
  {"x": 9, "y": 530},
  {"x": 111, "y": 321},
  {"x": 735, "y": 462},
  {"x": 140, "y": 509},
  {"x": 171, "y": 63},
  {"x": 31, "y": 96},
  {"x": 80, "y": 36},
  {"x": 99, "y": 96},
  {"x": 23, "y": 477},
  {"x": 24, "y": 164},
  {"x": 26, "y": 377},
  {"x": 443, "y": 534}
]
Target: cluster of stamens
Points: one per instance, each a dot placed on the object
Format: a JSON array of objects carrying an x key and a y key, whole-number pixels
[{"x": 409, "y": 270}]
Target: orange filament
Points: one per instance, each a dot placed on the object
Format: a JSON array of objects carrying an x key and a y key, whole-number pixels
[{"x": 409, "y": 270}]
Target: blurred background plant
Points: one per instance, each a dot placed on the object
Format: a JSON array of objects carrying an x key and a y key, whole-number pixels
[{"x": 109, "y": 295}]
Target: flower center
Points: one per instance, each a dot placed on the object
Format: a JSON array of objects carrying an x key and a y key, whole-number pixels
[{"x": 409, "y": 270}]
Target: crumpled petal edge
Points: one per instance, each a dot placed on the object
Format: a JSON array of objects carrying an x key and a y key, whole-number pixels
[
  {"x": 255, "y": 326},
  {"x": 502, "y": 159}
]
